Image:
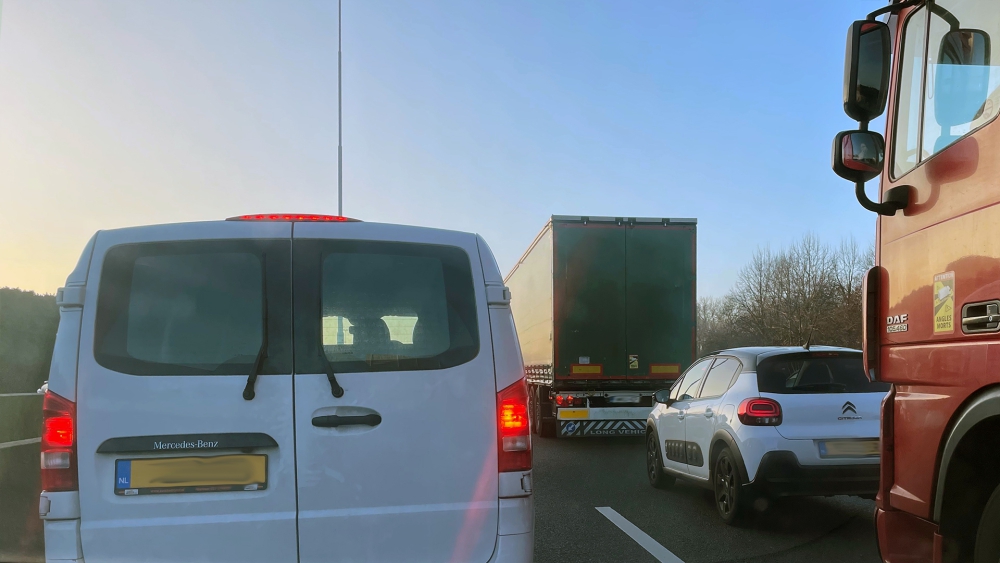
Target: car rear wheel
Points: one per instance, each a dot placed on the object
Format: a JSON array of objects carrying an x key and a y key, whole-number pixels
[
  {"x": 988, "y": 535},
  {"x": 728, "y": 487},
  {"x": 654, "y": 464}
]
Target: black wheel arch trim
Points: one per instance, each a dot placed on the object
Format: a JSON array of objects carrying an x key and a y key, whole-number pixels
[
  {"x": 983, "y": 406},
  {"x": 727, "y": 438}
]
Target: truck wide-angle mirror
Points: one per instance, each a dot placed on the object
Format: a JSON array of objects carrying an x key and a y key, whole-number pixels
[
  {"x": 858, "y": 155},
  {"x": 866, "y": 70}
]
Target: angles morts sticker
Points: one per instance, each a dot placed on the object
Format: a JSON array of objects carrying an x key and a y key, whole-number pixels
[{"x": 944, "y": 303}]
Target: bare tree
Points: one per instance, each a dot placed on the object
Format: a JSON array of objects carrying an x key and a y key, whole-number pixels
[{"x": 809, "y": 291}]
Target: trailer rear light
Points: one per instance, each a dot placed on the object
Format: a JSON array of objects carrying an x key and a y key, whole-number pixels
[
  {"x": 759, "y": 411},
  {"x": 513, "y": 433},
  {"x": 570, "y": 401},
  {"x": 299, "y": 217},
  {"x": 58, "y": 446}
]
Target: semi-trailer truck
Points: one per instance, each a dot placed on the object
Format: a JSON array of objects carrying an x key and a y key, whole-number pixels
[{"x": 604, "y": 309}]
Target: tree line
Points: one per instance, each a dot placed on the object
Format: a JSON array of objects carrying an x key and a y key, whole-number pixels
[
  {"x": 28, "y": 323},
  {"x": 810, "y": 291}
]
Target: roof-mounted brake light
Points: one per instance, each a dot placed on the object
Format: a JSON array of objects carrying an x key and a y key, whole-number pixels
[{"x": 303, "y": 217}]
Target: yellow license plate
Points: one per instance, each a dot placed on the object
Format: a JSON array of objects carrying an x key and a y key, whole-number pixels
[
  {"x": 194, "y": 474},
  {"x": 848, "y": 448},
  {"x": 573, "y": 414}
]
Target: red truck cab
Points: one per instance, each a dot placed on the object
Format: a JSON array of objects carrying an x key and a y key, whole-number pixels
[{"x": 932, "y": 309}]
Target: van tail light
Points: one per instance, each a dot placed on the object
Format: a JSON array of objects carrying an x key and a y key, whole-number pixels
[
  {"x": 59, "y": 471},
  {"x": 759, "y": 411},
  {"x": 887, "y": 460},
  {"x": 514, "y": 436}
]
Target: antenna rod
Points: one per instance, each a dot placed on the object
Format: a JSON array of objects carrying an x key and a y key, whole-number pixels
[{"x": 340, "y": 117}]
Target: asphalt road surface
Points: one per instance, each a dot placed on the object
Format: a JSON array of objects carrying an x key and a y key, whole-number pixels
[{"x": 574, "y": 478}]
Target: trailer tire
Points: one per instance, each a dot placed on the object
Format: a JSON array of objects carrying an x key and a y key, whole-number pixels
[{"x": 543, "y": 406}]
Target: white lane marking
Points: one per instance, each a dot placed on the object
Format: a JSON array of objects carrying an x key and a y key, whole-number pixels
[
  {"x": 661, "y": 553},
  {"x": 5, "y": 445}
]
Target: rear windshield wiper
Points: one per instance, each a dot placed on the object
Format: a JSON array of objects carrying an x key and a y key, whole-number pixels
[
  {"x": 335, "y": 387},
  {"x": 248, "y": 391}
]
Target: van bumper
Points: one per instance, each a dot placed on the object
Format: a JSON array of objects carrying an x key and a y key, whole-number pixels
[
  {"x": 780, "y": 475},
  {"x": 517, "y": 548}
]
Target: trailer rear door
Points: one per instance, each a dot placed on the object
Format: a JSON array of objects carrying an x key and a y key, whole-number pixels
[
  {"x": 589, "y": 301},
  {"x": 660, "y": 278}
]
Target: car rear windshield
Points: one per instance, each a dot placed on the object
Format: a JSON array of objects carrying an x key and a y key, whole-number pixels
[
  {"x": 193, "y": 308},
  {"x": 385, "y": 306},
  {"x": 815, "y": 373}
]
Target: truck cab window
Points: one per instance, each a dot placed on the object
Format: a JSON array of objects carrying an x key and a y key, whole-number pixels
[
  {"x": 948, "y": 80},
  {"x": 962, "y": 76},
  {"x": 911, "y": 59}
]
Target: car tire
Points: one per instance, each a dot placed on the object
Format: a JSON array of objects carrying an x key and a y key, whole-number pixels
[
  {"x": 727, "y": 484},
  {"x": 546, "y": 424},
  {"x": 988, "y": 534},
  {"x": 654, "y": 464}
]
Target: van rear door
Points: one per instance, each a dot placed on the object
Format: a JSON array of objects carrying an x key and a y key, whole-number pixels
[
  {"x": 174, "y": 463},
  {"x": 402, "y": 466}
]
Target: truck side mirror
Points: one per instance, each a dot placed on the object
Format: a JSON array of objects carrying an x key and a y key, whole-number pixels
[
  {"x": 858, "y": 155},
  {"x": 962, "y": 76},
  {"x": 866, "y": 70},
  {"x": 662, "y": 396}
]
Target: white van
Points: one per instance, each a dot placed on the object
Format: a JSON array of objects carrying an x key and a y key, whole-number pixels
[{"x": 286, "y": 388}]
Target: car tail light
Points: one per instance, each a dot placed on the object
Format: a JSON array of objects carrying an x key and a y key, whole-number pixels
[
  {"x": 58, "y": 444},
  {"x": 759, "y": 412},
  {"x": 887, "y": 460},
  {"x": 303, "y": 217},
  {"x": 514, "y": 435}
]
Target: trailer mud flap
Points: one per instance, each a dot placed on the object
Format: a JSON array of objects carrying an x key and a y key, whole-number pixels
[{"x": 581, "y": 428}]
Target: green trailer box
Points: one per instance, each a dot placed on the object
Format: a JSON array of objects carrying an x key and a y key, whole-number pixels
[{"x": 605, "y": 313}]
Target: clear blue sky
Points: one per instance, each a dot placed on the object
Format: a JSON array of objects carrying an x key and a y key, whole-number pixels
[{"x": 476, "y": 116}]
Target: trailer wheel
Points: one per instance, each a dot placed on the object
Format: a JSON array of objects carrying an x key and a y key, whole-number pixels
[
  {"x": 543, "y": 410},
  {"x": 533, "y": 418}
]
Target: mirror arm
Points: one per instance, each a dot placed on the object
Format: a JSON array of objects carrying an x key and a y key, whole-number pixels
[
  {"x": 896, "y": 198},
  {"x": 893, "y": 8}
]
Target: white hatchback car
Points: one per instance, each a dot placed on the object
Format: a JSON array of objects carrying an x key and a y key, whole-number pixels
[
  {"x": 769, "y": 421},
  {"x": 286, "y": 388}
]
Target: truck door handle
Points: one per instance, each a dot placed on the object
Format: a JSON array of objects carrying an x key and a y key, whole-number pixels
[
  {"x": 332, "y": 420},
  {"x": 709, "y": 413}
]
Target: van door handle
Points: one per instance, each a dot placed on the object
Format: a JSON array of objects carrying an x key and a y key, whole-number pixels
[
  {"x": 680, "y": 415},
  {"x": 709, "y": 413},
  {"x": 332, "y": 420}
]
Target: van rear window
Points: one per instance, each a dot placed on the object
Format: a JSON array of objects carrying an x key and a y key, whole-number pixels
[
  {"x": 192, "y": 308},
  {"x": 385, "y": 306},
  {"x": 825, "y": 372}
]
